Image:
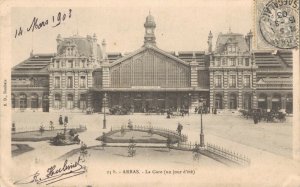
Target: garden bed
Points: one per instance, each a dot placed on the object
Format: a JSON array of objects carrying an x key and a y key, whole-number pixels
[
  {"x": 35, "y": 136},
  {"x": 17, "y": 149}
]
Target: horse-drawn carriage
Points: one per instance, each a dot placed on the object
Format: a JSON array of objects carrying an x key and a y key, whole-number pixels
[
  {"x": 119, "y": 110},
  {"x": 261, "y": 114}
]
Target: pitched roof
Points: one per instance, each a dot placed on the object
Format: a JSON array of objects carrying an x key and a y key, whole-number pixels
[
  {"x": 35, "y": 64},
  {"x": 224, "y": 39},
  {"x": 146, "y": 48},
  {"x": 83, "y": 45},
  {"x": 274, "y": 58}
]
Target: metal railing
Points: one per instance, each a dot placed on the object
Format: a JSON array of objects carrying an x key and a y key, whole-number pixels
[
  {"x": 230, "y": 155},
  {"x": 166, "y": 131}
]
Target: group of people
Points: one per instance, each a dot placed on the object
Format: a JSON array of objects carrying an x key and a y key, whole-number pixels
[{"x": 63, "y": 122}]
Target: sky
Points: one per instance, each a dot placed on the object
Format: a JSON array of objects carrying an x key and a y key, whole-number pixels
[{"x": 180, "y": 25}]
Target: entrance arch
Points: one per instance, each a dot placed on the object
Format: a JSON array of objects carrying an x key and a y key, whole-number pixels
[
  {"x": 57, "y": 101},
  {"x": 232, "y": 101},
  {"x": 34, "y": 100},
  {"x": 276, "y": 102},
  {"x": 23, "y": 101},
  {"x": 262, "y": 101},
  {"x": 70, "y": 101},
  {"x": 247, "y": 104}
]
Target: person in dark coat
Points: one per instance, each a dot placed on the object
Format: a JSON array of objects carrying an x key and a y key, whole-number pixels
[
  {"x": 66, "y": 120},
  {"x": 60, "y": 120},
  {"x": 255, "y": 117}
]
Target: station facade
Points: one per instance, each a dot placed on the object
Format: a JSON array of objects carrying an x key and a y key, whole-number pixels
[{"x": 83, "y": 75}]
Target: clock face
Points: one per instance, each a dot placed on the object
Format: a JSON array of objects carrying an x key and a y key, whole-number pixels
[{"x": 148, "y": 31}]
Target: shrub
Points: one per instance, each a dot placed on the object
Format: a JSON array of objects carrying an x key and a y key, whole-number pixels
[{"x": 131, "y": 148}]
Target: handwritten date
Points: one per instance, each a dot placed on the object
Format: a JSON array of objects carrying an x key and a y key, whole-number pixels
[{"x": 38, "y": 24}]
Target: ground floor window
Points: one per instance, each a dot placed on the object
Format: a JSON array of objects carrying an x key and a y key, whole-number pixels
[
  {"x": 23, "y": 101},
  {"x": 232, "y": 102},
  {"x": 262, "y": 101},
  {"x": 247, "y": 104},
  {"x": 70, "y": 101},
  {"x": 82, "y": 101},
  {"x": 218, "y": 102},
  {"x": 34, "y": 101},
  {"x": 276, "y": 102},
  {"x": 57, "y": 101}
]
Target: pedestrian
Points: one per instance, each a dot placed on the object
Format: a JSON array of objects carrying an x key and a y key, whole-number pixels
[
  {"x": 60, "y": 120},
  {"x": 255, "y": 118},
  {"x": 196, "y": 110},
  {"x": 66, "y": 120},
  {"x": 51, "y": 127}
]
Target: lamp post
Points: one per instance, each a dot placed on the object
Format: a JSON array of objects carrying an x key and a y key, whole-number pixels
[
  {"x": 104, "y": 111},
  {"x": 201, "y": 133}
]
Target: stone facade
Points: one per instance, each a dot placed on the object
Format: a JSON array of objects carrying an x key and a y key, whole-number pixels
[{"x": 231, "y": 76}]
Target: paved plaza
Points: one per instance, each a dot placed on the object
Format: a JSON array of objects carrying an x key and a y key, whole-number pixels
[{"x": 266, "y": 144}]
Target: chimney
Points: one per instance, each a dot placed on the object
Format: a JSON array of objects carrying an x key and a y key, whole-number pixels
[
  {"x": 104, "y": 49},
  {"x": 250, "y": 37},
  {"x": 209, "y": 42}
]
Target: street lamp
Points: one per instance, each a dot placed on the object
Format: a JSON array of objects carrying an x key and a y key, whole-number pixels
[
  {"x": 201, "y": 133},
  {"x": 104, "y": 111}
]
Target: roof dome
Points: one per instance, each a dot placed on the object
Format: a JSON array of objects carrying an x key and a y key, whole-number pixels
[{"x": 150, "y": 21}]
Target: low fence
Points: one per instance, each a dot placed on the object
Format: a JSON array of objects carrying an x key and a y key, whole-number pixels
[
  {"x": 216, "y": 150},
  {"x": 230, "y": 155},
  {"x": 46, "y": 127},
  {"x": 154, "y": 129}
]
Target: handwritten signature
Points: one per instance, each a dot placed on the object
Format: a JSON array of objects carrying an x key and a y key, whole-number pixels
[
  {"x": 55, "y": 174},
  {"x": 37, "y": 24}
]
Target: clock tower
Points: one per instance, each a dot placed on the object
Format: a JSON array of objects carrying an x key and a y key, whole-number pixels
[{"x": 149, "y": 38}]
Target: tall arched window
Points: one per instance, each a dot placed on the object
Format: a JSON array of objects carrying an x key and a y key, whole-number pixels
[
  {"x": 70, "y": 101},
  {"x": 232, "y": 101},
  {"x": 219, "y": 101},
  {"x": 276, "y": 102},
  {"x": 57, "y": 101},
  {"x": 82, "y": 102},
  {"x": 262, "y": 101},
  {"x": 247, "y": 104},
  {"x": 34, "y": 100},
  {"x": 23, "y": 101}
]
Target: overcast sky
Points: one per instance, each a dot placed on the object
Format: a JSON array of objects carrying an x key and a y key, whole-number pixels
[{"x": 180, "y": 25}]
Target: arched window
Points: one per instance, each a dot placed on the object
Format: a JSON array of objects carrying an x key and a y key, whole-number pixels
[
  {"x": 276, "y": 102},
  {"x": 82, "y": 102},
  {"x": 34, "y": 100},
  {"x": 70, "y": 101},
  {"x": 262, "y": 101},
  {"x": 23, "y": 101},
  {"x": 57, "y": 101},
  {"x": 13, "y": 101},
  {"x": 247, "y": 104},
  {"x": 219, "y": 101},
  {"x": 232, "y": 101}
]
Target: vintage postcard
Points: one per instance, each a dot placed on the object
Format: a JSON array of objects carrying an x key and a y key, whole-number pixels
[{"x": 149, "y": 93}]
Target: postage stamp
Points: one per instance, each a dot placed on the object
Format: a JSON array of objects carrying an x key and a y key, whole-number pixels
[{"x": 278, "y": 22}]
